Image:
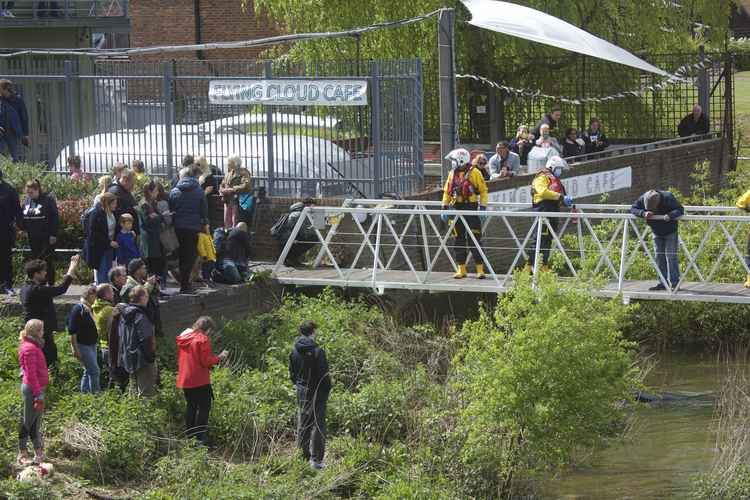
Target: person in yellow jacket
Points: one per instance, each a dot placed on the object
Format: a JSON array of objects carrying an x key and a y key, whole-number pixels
[
  {"x": 465, "y": 189},
  {"x": 743, "y": 202},
  {"x": 547, "y": 194}
]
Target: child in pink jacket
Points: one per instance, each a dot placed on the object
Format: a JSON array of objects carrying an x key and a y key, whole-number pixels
[{"x": 33, "y": 385}]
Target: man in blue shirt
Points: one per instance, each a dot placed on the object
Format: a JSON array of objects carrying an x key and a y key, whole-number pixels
[{"x": 661, "y": 211}]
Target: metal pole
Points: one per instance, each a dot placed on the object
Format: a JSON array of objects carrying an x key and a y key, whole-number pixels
[
  {"x": 447, "y": 71},
  {"x": 166, "y": 92},
  {"x": 376, "y": 130},
  {"x": 704, "y": 91},
  {"x": 377, "y": 251},
  {"x": 270, "y": 160},
  {"x": 623, "y": 254},
  {"x": 70, "y": 116}
]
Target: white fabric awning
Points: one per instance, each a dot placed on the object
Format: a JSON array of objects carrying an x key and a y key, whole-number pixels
[{"x": 530, "y": 24}]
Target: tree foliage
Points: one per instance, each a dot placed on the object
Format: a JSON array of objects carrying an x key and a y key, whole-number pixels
[{"x": 654, "y": 26}]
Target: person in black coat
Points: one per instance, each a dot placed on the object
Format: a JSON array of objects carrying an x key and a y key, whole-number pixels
[
  {"x": 695, "y": 123},
  {"x": 308, "y": 371},
  {"x": 595, "y": 139},
  {"x": 100, "y": 238},
  {"x": 41, "y": 220},
  {"x": 126, "y": 203},
  {"x": 552, "y": 119},
  {"x": 84, "y": 340},
  {"x": 11, "y": 122},
  {"x": 37, "y": 299},
  {"x": 10, "y": 216},
  {"x": 572, "y": 145}
]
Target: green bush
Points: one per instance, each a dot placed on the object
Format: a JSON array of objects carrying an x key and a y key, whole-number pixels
[
  {"x": 17, "y": 174},
  {"x": 543, "y": 376},
  {"x": 712, "y": 487}
]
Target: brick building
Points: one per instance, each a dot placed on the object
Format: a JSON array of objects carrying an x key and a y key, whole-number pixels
[{"x": 179, "y": 22}]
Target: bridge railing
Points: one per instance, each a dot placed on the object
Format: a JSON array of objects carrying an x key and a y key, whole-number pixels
[{"x": 593, "y": 242}]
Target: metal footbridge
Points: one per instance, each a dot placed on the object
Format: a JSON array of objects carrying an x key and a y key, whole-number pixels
[{"x": 404, "y": 244}]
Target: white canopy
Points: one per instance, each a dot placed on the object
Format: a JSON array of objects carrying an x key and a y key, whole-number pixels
[{"x": 523, "y": 22}]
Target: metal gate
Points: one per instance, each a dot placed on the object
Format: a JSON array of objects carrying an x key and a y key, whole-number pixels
[{"x": 110, "y": 111}]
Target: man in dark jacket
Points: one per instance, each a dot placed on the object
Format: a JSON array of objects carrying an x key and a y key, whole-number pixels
[
  {"x": 41, "y": 221},
  {"x": 552, "y": 119},
  {"x": 308, "y": 371},
  {"x": 123, "y": 189},
  {"x": 661, "y": 211},
  {"x": 138, "y": 276},
  {"x": 695, "y": 123},
  {"x": 11, "y": 129},
  {"x": 10, "y": 216},
  {"x": 235, "y": 255},
  {"x": 190, "y": 208},
  {"x": 37, "y": 299},
  {"x": 306, "y": 238},
  {"x": 8, "y": 94},
  {"x": 118, "y": 276},
  {"x": 137, "y": 344}
]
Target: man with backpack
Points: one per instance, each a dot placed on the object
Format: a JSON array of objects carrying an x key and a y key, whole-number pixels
[
  {"x": 136, "y": 353},
  {"x": 306, "y": 237},
  {"x": 308, "y": 371}
]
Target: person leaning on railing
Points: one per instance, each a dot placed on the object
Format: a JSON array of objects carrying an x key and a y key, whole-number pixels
[
  {"x": 547, "y": 194},
  {"x": 465, "y": 189},
  {"x": 743, "y": 202}
]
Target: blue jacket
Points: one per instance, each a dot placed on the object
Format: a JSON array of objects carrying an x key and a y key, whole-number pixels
[
  {"x": 667, "y": 206},
  {"x": 17, "y": 103},
  {"x": 189, "y": 205},
  {"x": 9, "y": 119}
]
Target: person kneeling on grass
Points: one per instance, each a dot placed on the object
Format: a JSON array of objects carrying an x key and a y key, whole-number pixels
[
  {"x": 34, "y": 383},
  {"x": 194, "y": 362}
]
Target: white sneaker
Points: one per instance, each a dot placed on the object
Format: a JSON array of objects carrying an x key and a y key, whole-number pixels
[
  {"x": 317, "y": 465},
  {"x": 9, "y": 14}
]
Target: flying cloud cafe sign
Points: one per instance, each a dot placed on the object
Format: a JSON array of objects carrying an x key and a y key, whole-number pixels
[{"x": 289, "y": 92}]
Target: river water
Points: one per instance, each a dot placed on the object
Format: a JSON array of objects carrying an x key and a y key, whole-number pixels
[{"x": 669, "y": 444}]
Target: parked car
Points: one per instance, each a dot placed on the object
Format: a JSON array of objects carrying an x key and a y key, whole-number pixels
[{"x": 300, "y": 161}]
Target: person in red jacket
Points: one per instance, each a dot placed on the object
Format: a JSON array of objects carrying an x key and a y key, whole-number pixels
[
  {"x": 34, "y": 382},
  {"x": 194, "y": 362}
]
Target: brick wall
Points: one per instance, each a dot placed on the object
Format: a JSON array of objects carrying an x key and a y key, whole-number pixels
[
  {"x": 179, "y": 312},
  {"x": 172, "y": 22}
]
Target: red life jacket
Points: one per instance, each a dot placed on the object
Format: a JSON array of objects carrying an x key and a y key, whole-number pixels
[
  {"x": 462, "y": 186},
  {"x": 556, "y": 185}
]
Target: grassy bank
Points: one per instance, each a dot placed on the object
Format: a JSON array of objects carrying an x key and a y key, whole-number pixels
[{"x": 472, "y": 410}]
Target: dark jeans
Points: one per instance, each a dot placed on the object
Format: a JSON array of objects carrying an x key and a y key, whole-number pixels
[
  {"x": 6, "y": 5},
  {"x": 158, "y": 266},
  {"x": 311, "y": 423},
  {"x": 545, "y": 246},
  {"x": 462, "y": 240},
  {"x": 187, "y": 253},
  {"x": 41, "y": 249},
  {"x": 9, "y": 143},
  {"x": 6, "y": 264},
  {"x": 50, "y": 348},
  {"x": 667, "y": 257},
  {"x": 196, "y": 414},
  {"x": 118, "y": 378}
]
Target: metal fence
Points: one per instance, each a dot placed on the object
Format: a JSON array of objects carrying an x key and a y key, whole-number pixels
[
  {"x": 405, "y": 245},
  {"x": 487, "y": 115},
  {"x": 109, "y": 111}
]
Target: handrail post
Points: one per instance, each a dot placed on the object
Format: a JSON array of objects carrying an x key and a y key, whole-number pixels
[
  {"x": 623, "y": 255},
  {"x": 540, "y": 223},
  {"x": 376, "y": 258}
]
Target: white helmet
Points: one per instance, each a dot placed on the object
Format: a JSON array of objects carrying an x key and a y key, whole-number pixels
[
  {"x": 459, "y": 156},
  {"x": 556, "y": 162}
]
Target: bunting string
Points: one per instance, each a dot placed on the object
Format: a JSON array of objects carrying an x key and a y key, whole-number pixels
[{"x": 680, "y": 75}]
